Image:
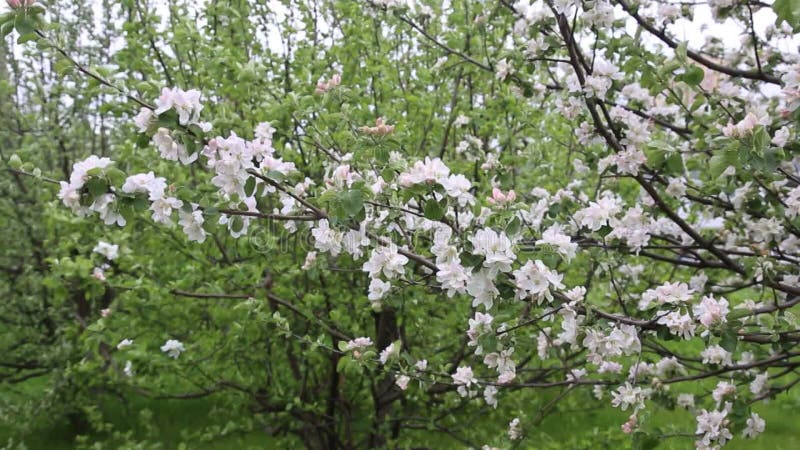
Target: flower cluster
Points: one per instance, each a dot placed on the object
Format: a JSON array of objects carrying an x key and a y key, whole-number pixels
[{"x": 83, "y": 199}]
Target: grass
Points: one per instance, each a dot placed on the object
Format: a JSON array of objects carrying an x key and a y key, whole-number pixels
[
  {"x": 173, "y": 419},
  {"x": 781, "y": 431}
]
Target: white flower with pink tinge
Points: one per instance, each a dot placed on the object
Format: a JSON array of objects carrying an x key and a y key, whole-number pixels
[
  {"x": 359, "y": 343},
  {"x": 428, "y": 171},
  {"x": 464, "y": 379},
  {"x": 711, "y": 311},
  {"x": 535, "y": 279},
  {"x": 402, "y": 382}
]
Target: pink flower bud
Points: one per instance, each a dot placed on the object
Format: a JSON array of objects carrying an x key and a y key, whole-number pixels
[
  {"x": 380, "y": 128},
  {"x": 14, "y": 4},
  {"x": 105, "y": 312},
  {"x": 629, "y": 426},
  {"x": 499, "y": 198},
  {"x": 99, "y": 274},
  {"x": 325, "y": 86}
]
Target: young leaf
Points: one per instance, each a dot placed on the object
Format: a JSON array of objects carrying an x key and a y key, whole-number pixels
[
  {"x": 434, "y": 210},
  {"x": 352, "y": 201}
]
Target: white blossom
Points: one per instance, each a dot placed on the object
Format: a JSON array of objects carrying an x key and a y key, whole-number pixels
[
  {"x": 685, "y": 401},
  {"x": 173, "y": 348},
  {"x": 402, "y": 382},
  {"x": 627, "y": 396},
  {"x": 495, "y": 247},
  {"x": 711, "y": 311},
  {"x": 464, "y": 379},
  {"x": 712, "y": 428},
  {"x": 514, "y": 430},
  {"x": 755, "y": 426},
  {"x": 327, "y": 239},
  {"x": 192, "y": 224},
  {"x": 386, "y": 260},
  {"x": 715, "y": 354},
  {"x": 110, "y": 251},
  {"x": 389, "y": 352},
  {"x": 534, "y": 279},
  {"x": 564, "y": 246},
  {"x": 359, "y": 344}
]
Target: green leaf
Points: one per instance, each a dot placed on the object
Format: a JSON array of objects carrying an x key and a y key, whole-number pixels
[
  {"x": 388, "y": 174},
  {"x": 680, "y": 51},
  {"x": 342, "y": 364},
  {"x": 197, "y": 131},
  {"x": 382, "y": 155},
  {"x": 664, "y": 334},
  {"x": 738, "y": 314},
  {"x": 674, "y": 163},
  {"x": 250, "y": 186},
  {"x": 729, "y": 340},
  {"x": 168, "y": 119},
  {"x": 488, "y": 341},
  {"x": 140, "y": 203},
  {"x": 434, "y": 210},
  {"x": 788, "y": 10},
  {"x": 124, "y": 202},
  {"x": 237, "y": 224},
  {"x": 761, "y": 141},
  {"x": 656, "y": 153},
  {"x": 669, "y": 67},
  {"x": 470, "y": 260},
  {"x": 513, "y": 226},
  {"x": 23, "y": 38},
  {"x": 96, "y": 186},
  {"x": 275, "y": 175},
  {"x": 189, "y": 143},
  {"x": 36, "y": 9},
  {"x": 115, "y": 176},
  {"x": 25, "y": 26},
  {"x": 740, "y": 412},
  {"x": 352, "y": 202},
  {"x": 693, "y": 76},
  {"x": 143, "y": 140},
  {"x": 722, "y": 160},
  {"x": 6, "y": 29}
]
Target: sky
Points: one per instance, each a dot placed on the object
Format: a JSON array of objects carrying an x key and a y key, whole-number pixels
[{"x": 694, "y": 31}]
